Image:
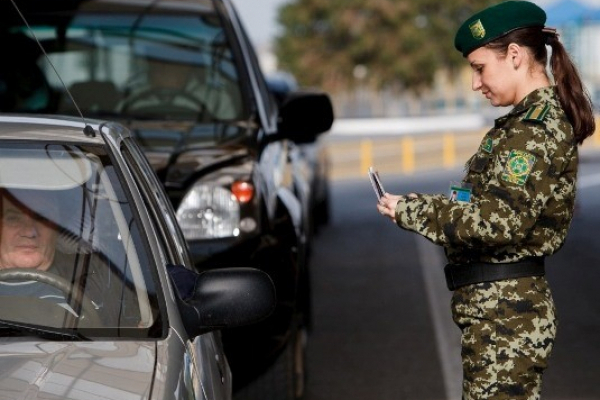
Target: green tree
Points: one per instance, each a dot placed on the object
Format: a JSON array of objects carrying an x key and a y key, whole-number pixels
[{"x": 398, "y": 44}]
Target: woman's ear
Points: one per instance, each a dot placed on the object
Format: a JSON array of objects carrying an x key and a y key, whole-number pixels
[{"x": 515, "y": 54}]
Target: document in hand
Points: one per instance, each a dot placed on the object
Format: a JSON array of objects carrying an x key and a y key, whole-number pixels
[{"x": 376, "y": 183}]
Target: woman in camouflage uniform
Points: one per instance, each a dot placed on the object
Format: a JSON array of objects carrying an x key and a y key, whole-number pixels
[{"x": 515, "y": 204}]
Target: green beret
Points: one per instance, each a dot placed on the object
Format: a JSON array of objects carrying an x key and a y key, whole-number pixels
[{"x": 496, "y": 21}]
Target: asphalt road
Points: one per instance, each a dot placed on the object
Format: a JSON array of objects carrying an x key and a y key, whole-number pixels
[{"x": 382, "y": 327}]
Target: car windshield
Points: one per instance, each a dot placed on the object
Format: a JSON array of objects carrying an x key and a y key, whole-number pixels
[
  {"x": 132, "y": 61},
  {"x": 72, "y": 257}
]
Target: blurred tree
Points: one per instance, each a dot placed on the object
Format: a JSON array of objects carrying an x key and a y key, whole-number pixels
[{"x": 396, "y": 44}]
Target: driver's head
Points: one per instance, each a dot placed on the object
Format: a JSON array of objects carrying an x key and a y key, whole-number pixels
[
  {"x": 168, "y": 75},
  {"x": 27, "y": 237}
]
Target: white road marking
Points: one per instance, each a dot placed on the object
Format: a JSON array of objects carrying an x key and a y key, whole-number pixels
[{"x": 447, "y": 333}]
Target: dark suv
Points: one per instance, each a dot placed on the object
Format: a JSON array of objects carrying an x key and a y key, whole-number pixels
[{"x": 183, "y": 77}]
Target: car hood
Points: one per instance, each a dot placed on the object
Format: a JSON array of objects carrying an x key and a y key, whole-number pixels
[
  {"x": 177, "y": 151},
  {"x": 62, "y": 370}
]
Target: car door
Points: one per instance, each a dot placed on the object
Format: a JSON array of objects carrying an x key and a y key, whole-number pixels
[{"x": 204, "y": 353}]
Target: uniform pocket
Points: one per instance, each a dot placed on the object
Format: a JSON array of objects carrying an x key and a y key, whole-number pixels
[{"x": 479, "y": 163}]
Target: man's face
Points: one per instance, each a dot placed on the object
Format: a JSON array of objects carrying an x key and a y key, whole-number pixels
[{"x": 26, "y": 239}]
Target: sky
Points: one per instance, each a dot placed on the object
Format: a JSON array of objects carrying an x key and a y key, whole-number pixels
[{"x": 260, "y": 16}]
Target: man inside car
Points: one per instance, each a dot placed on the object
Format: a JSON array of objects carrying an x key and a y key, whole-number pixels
[
  {"x": 28, "y": 241},
  {"x": 182, "y": 89},
  {"x": 63, "y": 271}
]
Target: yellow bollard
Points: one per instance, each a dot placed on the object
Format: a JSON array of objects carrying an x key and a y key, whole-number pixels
[
  {"x": 366, "y": 155},
  {"x": 408, "y": 155},
  {"x": 449, "y": 150}
]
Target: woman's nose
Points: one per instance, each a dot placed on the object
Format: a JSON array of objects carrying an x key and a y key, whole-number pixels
[{"x": 475, "y": 82}]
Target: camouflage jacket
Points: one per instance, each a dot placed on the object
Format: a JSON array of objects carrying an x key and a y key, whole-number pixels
[{"x": 523, "y": 179}]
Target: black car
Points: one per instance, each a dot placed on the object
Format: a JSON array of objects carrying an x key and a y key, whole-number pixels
[
  {"x": 183, "y": 77},
  {"x": 313, "y": 160}
]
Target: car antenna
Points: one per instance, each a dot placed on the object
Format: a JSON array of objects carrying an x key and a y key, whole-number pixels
[{"x": 87, "y": 130}]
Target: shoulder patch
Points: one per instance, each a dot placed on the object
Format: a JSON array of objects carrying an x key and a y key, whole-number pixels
[
  {"x": 536, "y": 113},
  {"x": 487, "y": 145},
  {"x": 518, "y": 167}
]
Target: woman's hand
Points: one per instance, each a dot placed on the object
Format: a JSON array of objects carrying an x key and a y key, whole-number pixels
[{"x": 387, "y": 204}]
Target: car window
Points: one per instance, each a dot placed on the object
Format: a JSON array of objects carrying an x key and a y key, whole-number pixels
[
  {"x": 266, "y": 96},
  {"x": 129, "y": 62},
  {"x": 266, "y": 99},
  {"x": 72, "y": 253}
]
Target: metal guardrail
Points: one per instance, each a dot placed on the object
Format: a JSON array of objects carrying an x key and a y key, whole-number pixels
[{"x": 351, "y": 156}]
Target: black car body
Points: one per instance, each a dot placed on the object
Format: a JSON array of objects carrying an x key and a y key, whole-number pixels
[
  {"x": 184, "y": 78},
  {"x": 313, "y": 161},
  {"x": 119, "y": 313}
]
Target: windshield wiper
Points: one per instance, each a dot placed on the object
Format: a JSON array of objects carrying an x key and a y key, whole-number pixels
[{"x": 10, "y": 328}]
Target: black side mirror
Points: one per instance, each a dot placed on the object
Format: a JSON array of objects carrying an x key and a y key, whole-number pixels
[
  {"x": 223, "y": 298},
  {"x": 305, "y": 115}
]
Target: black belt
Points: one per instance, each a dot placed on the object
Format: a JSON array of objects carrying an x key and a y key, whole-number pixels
[{"x": 458, "y": 275}]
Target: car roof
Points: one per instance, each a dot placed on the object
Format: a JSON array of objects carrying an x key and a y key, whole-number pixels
[{"x": 51, "y": 128}]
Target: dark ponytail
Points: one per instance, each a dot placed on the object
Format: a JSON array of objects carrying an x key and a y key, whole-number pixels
[{"x": 573, "y": 97}]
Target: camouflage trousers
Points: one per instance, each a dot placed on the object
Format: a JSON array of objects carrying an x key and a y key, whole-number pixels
[{"x": 508, "y": 330}]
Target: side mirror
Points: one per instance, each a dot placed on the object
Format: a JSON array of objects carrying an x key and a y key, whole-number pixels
[
  {"x": 223, "y": 298},
  {"x": 305, "y": 115}
]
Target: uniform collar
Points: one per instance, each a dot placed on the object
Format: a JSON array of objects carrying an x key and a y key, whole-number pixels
[
  {"x": 539, "y": 96},
  {"x": 542, "y": 96}
]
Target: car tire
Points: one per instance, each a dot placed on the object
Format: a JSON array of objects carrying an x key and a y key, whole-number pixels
[{"x": 285, "y": 379}]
